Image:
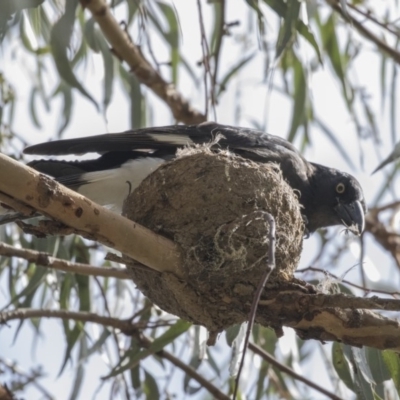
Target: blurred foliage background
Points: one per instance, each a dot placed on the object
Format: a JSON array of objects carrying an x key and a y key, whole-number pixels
[{"x": 321, "y": 74}]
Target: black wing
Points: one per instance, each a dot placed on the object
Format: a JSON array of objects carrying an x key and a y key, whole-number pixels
[{"x": 249, "y": 143}]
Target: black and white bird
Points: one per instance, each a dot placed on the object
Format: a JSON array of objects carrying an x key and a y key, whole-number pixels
[{"x": 329, "y": 197}]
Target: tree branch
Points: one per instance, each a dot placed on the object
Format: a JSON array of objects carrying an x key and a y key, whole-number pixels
[
  {"x": 337, "y": 317},
  {"x": 89, "y": 219},
  {"x": 382, "y": 46},
  {"x": 125, "y": 326},
  {"x": 347, "y": 282},
  {"x": 123, "y": 47},
  {"x": 46, "y": 260},
  {"x": 217, "y": 394}
]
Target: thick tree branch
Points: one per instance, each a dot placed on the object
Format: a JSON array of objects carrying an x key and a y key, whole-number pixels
[
  {"x": 338, "y": 317},
  {"x": 89, "y": 219},
  {"x": 46, "y": 260},
  {"x": 123, "y": 47}
]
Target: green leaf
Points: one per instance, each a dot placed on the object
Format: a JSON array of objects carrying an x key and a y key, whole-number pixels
[
  {"x": 83, "y": 292},
  {"x": 10, "y": 7},
  {"x": 80, "y": 372},
  {"x": 195, "y": 362},
  {"x": 260, "y": 16},
  {"x": 32, "y": 107},
  {"x": 135, "y": 371},
  {"x": 35, "y": 279},
  {"x": 150, "y": 387},
  {"x": 342, "y": 366},
  {"x": 98, "y": 344},
  {"x": 231, "y": 333},
  {"x": 392, "y": 362},
  {"x": 65, "y": 91},
  {"x": 331, "y": 46},
  {"x": 108, "y": 63},
  {"x": 171, "y": 36},
  {"x": 299, "y": 98},
  {"x": 158, "y": 344},
  {"x": 137, "y": 103},
  {"x": 288, "y": 31},
  {"x": 305, "y": 31},
  {"x": 72, "y": 337},
  {"x": 377, "y": 364},
  {"x": 362, "y": 379},
  {"x": 59, "y": 41},
  {"x": 280, "y": 8},
  {"x": 232, "y": 72}
]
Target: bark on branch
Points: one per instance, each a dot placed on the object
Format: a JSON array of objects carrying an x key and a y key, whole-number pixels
[
  {"x": 125, "y": 50},
  {"x": 339, "y": 317},
  {"x": 89, "y": 219}
]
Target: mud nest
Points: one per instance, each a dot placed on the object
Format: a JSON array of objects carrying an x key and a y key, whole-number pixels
[{"x": 211, "y": 205}]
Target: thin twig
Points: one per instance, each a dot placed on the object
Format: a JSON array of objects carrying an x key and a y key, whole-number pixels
[
  {"x": 385, "y": 48},
  {"x": 206, "y": 62},
  {"x": 377, "y": 210},
  {"x": 256, "y": 299},
  {"x": 348, "y": 282},
  {"x": 125, "y": 326},
  {"x": 46, "y": 260},
  {"x": 372, "y": 18},
  {"x": 269, "y": 358}
]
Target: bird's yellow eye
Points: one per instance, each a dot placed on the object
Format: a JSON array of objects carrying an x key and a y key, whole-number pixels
[{"x": 340, "y": 188}]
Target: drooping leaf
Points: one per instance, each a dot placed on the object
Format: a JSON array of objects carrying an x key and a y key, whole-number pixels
[
  {"x": 158, "y": 344},
  {"x": 341, "y": 365},
  {"x": 59, "y": 41},
  {"x": 299, "y": 98},
  {"x": 362, "y": 378},
  {"x": 337, "y": 61},
  {"x": 150, "y": 387},
  {"x": 377, "y": 365},
  {"x": 232, "y": 72},
  {"x": 65, "y": 91},
  {"x": 172, "y": 37},
  {"x": 392, "y": 362},
  {"x": 288, "y": 31},
  {"x": 280, "y": 7},
  {"x": 10, "y": 7}
]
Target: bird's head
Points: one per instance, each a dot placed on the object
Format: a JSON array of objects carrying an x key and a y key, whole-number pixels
[{"x": 338, "y": 199}]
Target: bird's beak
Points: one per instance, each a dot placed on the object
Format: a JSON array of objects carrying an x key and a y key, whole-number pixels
[{"x": 352, "y": 216}]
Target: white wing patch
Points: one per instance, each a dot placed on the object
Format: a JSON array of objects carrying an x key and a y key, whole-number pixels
[
  {"x": 110, "y": 188},
  {"x": 179, "y": 140}
]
